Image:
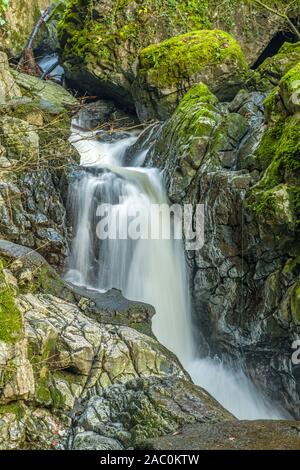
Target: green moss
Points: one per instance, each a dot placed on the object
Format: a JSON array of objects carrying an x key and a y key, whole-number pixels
[
  {"x": 196, "y": 114},
  {"x": 17, "y": 408},
  {"x": 292, "y": 267},
  {"x": 179, "y": 58},
  {"x": 10, "y": 317},
  {"x": 199, "y": 93},
  {"x": 295, "y": 302},
  {"x": 275, "y": 199},
  {"x": 47, "y": 280},
  {"x": 47, "y": 393},
  {"x": 43, "y": 393},
  {"x": 93, "y": 34},
  {"x": 292, "y": 76},
  {"x": 271, "y": 105}
]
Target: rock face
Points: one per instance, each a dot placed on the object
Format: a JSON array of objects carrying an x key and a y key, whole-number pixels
[
  {"x": 105, "y": 63},
  {"x": 34, "y": 129},
  {"x": 242, "y": 161},
  {"x": 19, "y": 19},
  {"x": 60, "y": 361},
  {"x": 126, "y": 415},
  {"x": 8, "y": 87},
  {"x": 167, "y": 70},
  {"x": 271, "y": 71}
]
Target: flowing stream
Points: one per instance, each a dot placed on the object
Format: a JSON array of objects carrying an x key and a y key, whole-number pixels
[{"x": 152, "y": 271}]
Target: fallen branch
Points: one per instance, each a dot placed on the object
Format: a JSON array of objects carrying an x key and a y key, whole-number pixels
[
  {"x": 281, "y": 14},
  {"x": 27, "y": 60}
]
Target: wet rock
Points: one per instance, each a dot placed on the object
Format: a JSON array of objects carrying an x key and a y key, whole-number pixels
[
  {"x": 245, "y": 276},
  {"x": 96, "y": 114},
  {"x": 50, "y": 94},
  {"x": 136, "y": 154},
  {"x": 242, "y": 435},
  {"x": 111, "y": 307}
]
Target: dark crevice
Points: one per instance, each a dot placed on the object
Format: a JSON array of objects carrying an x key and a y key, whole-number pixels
[{"x": 274, "y": 45}]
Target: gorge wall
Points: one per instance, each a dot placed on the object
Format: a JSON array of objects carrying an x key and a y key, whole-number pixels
[{"x": 85, "y": 372}]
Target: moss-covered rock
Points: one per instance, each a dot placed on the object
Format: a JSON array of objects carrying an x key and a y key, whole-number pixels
[
  {"x": 34, "y": 138},
  {"x": 101, "y": 40},
  {"x": 271, "y": 71},
  {"x": 11, "y": 324},
  {"x": 144, "y": 408},
  {"x": 290, "y": 89},
  {"x": 275, "y": 199},
  {"x": 198, "y": 135},
  {"x": 19, "y": 19},
  {"x": 167, "y": 70},
  {"x": 8, "y": 87}
]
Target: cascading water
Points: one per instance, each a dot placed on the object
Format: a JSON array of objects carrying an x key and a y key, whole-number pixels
[{"x": 149, "y": 270}]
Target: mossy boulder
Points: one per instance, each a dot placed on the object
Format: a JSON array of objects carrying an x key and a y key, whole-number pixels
[
  {"x": 167, "y": 70},
  {"x": 198, "y": 135},
  {"x": 101, "y": 40}
]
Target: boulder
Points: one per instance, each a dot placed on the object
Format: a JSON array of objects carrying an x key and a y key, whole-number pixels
[
  {"x": 52, "y": 97},
  {"x": 167, "y": 70},
  {"x": 101, "y": 41},
  {"x": 197, "y": 131}
]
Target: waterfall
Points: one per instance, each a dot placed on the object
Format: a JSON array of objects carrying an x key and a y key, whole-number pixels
[{"x": 148, "y": 270}]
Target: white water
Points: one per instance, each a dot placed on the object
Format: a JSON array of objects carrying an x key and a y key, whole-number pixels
[{"x": 153, "y": 271}]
